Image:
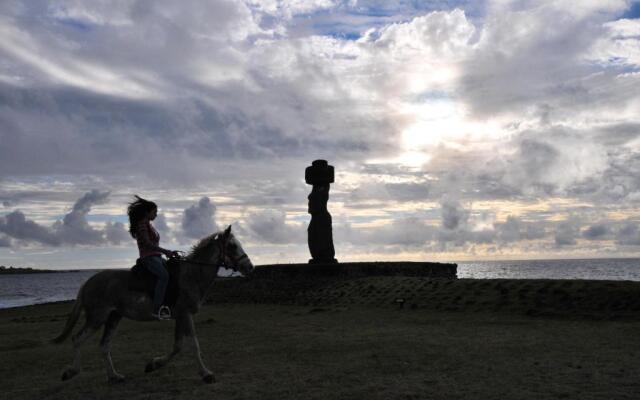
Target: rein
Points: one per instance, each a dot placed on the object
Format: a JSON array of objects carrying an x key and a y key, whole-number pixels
[
  {"x": 181, "y": 259},
  {"x": 219, "y": 263}
]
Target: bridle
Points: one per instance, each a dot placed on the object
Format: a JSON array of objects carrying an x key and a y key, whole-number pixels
[{"x": 220, "y": 263}]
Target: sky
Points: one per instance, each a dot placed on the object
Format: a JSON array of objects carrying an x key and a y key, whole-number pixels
[{"x": 459, "y": 130}]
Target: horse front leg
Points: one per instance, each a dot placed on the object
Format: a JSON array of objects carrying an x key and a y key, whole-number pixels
[
  {"x": 205, "y": 373},
  {"x": 180, "y": 330}
]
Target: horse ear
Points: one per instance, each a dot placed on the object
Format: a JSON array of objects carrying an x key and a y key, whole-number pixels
[{"x": 227, "y": 232}]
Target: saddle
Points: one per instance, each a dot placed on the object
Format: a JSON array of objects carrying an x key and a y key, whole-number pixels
[{"x": 142, "y": 280}]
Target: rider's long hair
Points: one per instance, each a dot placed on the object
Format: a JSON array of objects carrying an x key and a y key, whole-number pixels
[{"x": 137, "y": 211}]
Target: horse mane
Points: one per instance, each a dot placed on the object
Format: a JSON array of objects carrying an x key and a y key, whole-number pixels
[{"x": 200, "y": 250}]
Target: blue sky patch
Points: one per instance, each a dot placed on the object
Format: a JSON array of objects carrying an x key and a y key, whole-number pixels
[
  {"x": 76, "y": 24},
  {"x": 345, "y": 35},
  {"x": 99, "y": 218},
  {"x": 633, "y": 12},
  {"x": 431, "y": 95}
]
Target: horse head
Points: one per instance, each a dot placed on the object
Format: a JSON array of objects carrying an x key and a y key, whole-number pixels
[{"x": 232, "y": 253}]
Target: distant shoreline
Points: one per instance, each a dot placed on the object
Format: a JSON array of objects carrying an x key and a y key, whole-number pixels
[
  {"x": 16, "y": 270},
  {"x": 21, "y": 270}
]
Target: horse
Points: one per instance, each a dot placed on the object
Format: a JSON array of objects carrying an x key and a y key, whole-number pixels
[{"x": 106, "y": 298}]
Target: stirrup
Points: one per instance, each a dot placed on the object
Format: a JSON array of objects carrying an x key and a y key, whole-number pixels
[{"x": 164, "y": 313}]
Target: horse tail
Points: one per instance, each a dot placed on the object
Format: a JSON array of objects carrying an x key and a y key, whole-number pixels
[{"x": 71, "y": 321}]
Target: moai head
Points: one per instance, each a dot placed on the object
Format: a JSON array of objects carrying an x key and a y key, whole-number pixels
[{"x": 319, "y": 173}]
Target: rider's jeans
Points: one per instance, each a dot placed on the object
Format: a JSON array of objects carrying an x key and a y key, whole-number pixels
[{"x": 155, "y": 264}]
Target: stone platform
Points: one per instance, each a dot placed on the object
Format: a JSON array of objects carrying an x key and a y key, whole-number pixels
[
  {"x": 355, "y": 270},
  {"x": 288, "y": 283}
]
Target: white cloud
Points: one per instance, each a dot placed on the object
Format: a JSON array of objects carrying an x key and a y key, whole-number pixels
[
  {"x": 271, "y": 226},
  {"x": 74, "y": 228},
  {"x": 620, "y": 46},
  {"x": 198, "y": 220},
  {"x": 528, "y": 104},
  {"x": 289, "y": 8},
  {"x": 116, "y": 233}
]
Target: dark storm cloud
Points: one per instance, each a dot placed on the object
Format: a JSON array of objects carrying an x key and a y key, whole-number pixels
[
  {"x": 224, "y": 100},
  {"x": 628, "y": 234},
  {"x": 566, "y": 233},
  {"x": 5, "y": 241},
  {"x": 112, "y": 135},
  {"x": 15, "y": 197},
  {"x": 17, "y": 226},
  {"x": 510, "y": 230},
  {"x": 536, "y": 158},
  {"x": 534, "y": 230},
  {"x": 66, "y": 131},
  {"x": 453, "y": 214},
  {"x": 596, "y": 232},
  {"x": 72, "y": 230}
]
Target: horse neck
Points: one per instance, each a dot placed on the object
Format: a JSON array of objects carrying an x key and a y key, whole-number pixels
[{"x": 204, "y": 274}]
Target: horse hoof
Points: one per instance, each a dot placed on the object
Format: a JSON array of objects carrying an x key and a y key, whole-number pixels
[
  {"x": 68, "y": 374},
  {"x": 150, "y": 367},
  {"x": 208, "y": 378},
  {"x": 116, "y": 379}
]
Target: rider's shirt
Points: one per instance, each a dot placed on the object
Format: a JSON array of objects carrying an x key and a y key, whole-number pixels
[{"x": 148, "y": 239}]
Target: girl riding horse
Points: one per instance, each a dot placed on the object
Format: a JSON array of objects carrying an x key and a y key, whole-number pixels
[{"x": 141, "y": 212}]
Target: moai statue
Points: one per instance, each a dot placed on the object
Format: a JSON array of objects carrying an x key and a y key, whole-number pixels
[{"x": 320, "y": 236}]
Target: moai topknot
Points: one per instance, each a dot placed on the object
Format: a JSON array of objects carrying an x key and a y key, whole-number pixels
[{"x": 320, "y": 236}]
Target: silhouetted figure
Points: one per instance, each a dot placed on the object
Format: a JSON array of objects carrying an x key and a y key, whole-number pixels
[
  {"x": 320, "y": 236},
  {"x": 141, "y": 212}
]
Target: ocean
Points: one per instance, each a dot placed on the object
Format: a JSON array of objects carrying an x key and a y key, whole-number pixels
[
  {"x": 26, "y": 289},
  {"x": 609, "y": 269}
]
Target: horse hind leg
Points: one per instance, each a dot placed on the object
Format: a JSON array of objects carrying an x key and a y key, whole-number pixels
[
  {"x": 109, "y": 329},
  {"x": 83, "y": 334}
]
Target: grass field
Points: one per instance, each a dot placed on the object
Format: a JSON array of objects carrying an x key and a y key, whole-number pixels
[{"x": 265, "y": 351}]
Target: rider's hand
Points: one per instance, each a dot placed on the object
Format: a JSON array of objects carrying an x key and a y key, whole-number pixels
[{"x": 169, "y": 253}]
